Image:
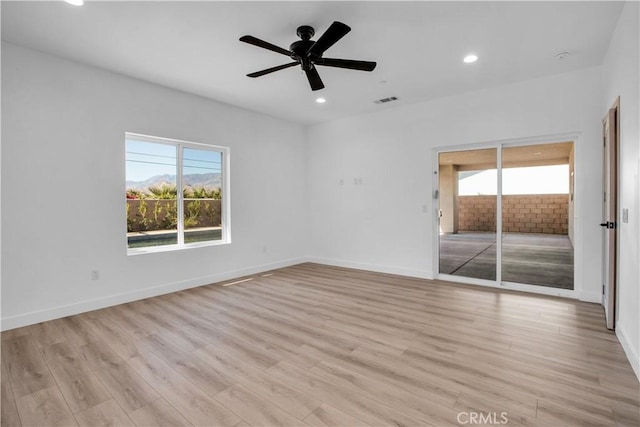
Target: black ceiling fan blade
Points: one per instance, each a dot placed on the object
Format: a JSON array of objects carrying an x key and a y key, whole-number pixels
[
  {"x": 346, "y": 63},
  {"x": 272, "y": 69},
  {"x": 335, "y": 32},
  {"x": 265, "y": 45},
  {"x": 314, "y": 78}
]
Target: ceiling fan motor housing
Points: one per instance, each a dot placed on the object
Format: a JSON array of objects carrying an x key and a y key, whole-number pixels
[
  {"x": 305, "y": 32},
  {"x": 301, "y": 47}
]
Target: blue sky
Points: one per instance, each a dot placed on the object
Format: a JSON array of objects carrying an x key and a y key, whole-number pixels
[{"x": 147, "y": 159}]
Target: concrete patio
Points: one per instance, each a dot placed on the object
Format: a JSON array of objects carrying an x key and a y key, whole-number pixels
[{"x": 535, "y": 259}]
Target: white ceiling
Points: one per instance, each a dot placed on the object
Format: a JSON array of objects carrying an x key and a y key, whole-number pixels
[{"x": 194, "y": 47}]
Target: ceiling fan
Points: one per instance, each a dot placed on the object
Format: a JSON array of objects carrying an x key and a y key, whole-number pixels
[{"x": 308, "y": 53}]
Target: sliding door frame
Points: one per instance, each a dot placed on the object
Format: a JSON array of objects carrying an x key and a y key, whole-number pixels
[{"x": 498, "y": 283}]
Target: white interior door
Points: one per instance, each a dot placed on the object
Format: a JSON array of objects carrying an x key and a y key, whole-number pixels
[{"x": 609, "y": 216}]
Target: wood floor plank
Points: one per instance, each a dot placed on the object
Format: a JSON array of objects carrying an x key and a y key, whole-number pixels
[
  {"x": 619, "y": 378},
  {"x": 125, "y": 317},
  {"x": 542, "y": 384},
  {"x": 8, "y": 413},
  {"x": 190, "y": 366},
  {"x": 26, "y": 368},
  {"x": 355, "y": 404},
  {"x": 78, "y": 384},
  {"x": 387, "y": 393},
  {"x": 76, "y": 332},
  {"x": 150, "y": 311},
  {"x": 417, "y": 382},
  {"x": 46, "y": 407},
  {"x": 45, "y": 334},
  {"x": 192, "y": 403},
  {"x": 127, "y": 387},
  {"x": 559, "y": 415},
  {"x": 495, "y": 410},
  {"x": 254, "y": 409},
  {"x": 121, "y": 342},
  {"x": 293, "y": 401},
  {"x": 104, "y": 414},
  {"x": 182, "y": 338},
  {"x": 4, "y": 373},
  {"x": 626, "y": 415},
  {"x": 99, "y": 355},
  {"x": 319, "y": 345},
  {"x": 179, "y": 315},
  {"x": 158, "y": 413},
  {"x": 239, "y": 348},
  {"x": 328, "y": 416},
  {"x": 267, "y": 344},
  {"x": 432, "y": 382},
  {"x": 15, "y": 333}
]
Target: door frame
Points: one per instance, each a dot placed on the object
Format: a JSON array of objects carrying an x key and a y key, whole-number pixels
[
  {"x": 574, "y": 293},
  {"x": 610, "y": 214}
]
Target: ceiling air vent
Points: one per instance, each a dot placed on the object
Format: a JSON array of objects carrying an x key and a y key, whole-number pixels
[{"x": 385, "y": 100}]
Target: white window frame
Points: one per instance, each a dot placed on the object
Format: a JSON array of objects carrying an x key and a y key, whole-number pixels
[
  {"x": 225, "y": 188},
  {"x": 577, "y": 290}
]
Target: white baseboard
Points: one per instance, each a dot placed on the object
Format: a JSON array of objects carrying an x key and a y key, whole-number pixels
[
  {"x": 421, "y": 274},
  {"x": 591, "y": 297},
  {"x": 632, "y": 353},
  {"x": 33, "y": 317}
]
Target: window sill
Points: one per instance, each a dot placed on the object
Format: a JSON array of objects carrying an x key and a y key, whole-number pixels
[{"x": 175, "y": 248}]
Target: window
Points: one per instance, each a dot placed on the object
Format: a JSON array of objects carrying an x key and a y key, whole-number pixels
[
  {"x": 176, "y": 194},
  {"x": 552, "y": 179}
]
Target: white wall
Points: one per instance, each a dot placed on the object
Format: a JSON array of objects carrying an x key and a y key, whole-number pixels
[
  {"x": 383, "y": 225},
  {"x": 620, "y": 78},
  {"x": 63, "y": 180}
]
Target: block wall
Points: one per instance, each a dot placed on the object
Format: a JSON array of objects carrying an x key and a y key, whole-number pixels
[{"x": 537, "y": 213}]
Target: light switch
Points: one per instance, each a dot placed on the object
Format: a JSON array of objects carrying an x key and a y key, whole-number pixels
[{"x": 625, "y": 215}]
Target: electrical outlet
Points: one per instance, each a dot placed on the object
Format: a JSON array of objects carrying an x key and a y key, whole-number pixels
[{"x": 95, "y": 275}]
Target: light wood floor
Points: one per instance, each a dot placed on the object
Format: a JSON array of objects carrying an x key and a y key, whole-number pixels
[{"x": 316, "y": 345}]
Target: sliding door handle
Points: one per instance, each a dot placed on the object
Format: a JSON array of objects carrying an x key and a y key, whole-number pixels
[{"x": 609, "y": 224}]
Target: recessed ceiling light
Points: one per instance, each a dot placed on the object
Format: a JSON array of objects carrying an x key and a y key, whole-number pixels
[
  {"x": 321, "y": 100},
  {"x": 470, "y": 58},
  {"x": 75, "y": 2}
]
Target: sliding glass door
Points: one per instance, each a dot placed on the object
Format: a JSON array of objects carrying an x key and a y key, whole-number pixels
[
  {"x": 524, "y": 194},
  {"x": 467, "y": 213},
  {"x": 536, "y": 202}
]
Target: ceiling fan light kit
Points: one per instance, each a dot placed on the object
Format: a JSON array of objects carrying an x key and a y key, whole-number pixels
[{"x": 308, "y": 53}]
